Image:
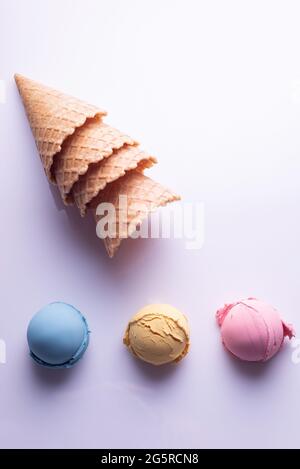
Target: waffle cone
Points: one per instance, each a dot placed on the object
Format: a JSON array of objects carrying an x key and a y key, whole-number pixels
[
  {"x": 88, "y": 145},
  {"x": 143, "y": 195},
  {"x": 127, "y": 158},
  {"x": 53, "y": 116},
  {"x": 90, "y": 161}
]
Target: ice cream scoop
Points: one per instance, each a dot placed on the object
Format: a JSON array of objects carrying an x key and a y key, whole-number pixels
[
  {"x": 57, "y": 336},
  {"x": 252, "y": 330},
  {"x": 158, "y": 334}
]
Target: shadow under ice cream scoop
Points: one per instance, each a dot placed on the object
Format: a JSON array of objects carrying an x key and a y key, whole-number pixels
[
  {"x": 57, "y": 336},
  {"x": 252, "y": 330}
]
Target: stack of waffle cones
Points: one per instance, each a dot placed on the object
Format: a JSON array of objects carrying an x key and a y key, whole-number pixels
[{"x": 90, "y": 161}]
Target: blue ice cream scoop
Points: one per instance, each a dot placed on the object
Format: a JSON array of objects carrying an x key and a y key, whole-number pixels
[{"x": 57, "y": 336}]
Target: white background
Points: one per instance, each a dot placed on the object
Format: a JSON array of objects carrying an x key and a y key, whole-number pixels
[{"x": 213, "y": 89}]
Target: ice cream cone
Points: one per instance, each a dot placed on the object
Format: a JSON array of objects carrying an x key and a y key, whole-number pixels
[
  {"x": 89, "y": 144},
  {"x": 141, "y": 194},
  {"x": 53, "y": 116},
  {"x": 89, "y": 185},
  {"x": 90, "y": 161}
]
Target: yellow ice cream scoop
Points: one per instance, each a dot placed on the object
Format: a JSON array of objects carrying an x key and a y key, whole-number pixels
[{"x": 158, "y": 334}]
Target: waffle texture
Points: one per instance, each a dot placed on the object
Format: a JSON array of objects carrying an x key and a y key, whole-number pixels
[
  {"x": 88, "y": 145},
  {"x": 98, "y": 176},
  {"x": 53, "y": 116},
  {"x": 134, "y": 197},
  {"x": 90, "y": 161}
]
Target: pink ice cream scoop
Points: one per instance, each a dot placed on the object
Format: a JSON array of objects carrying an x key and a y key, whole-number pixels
[{"x": 252, "y": 330}]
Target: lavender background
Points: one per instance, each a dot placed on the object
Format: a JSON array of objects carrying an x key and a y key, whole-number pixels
[{"x": 213, "y": 89}]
